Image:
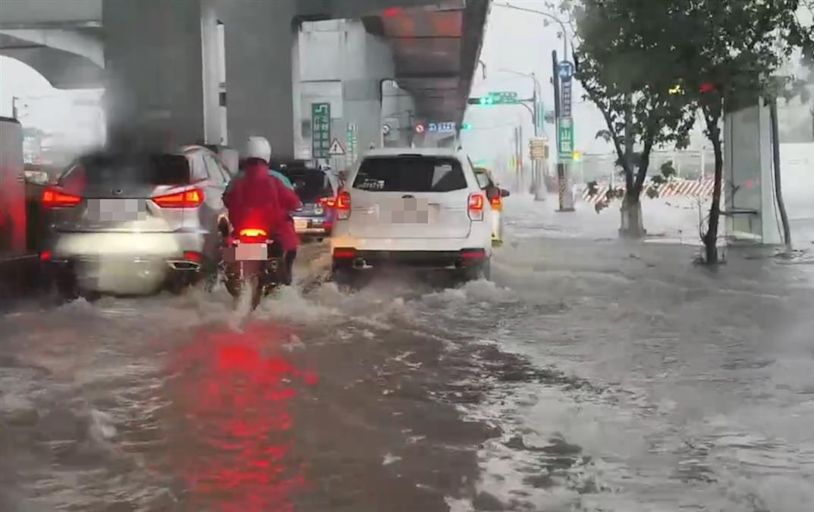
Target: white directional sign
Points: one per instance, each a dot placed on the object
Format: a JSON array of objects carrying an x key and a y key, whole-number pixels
[{"x": 336, "y": 148}]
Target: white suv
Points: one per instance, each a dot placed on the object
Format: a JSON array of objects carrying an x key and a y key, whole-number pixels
[{"x": 419, "y": 208}]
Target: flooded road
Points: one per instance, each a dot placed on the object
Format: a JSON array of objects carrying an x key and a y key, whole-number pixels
[{"x": 591, "y": 375}]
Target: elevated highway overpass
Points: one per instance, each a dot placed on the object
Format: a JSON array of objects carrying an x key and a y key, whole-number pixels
[{"x": 160, "y": 61}]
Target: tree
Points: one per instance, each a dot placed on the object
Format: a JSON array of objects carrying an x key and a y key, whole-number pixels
[
  {"x": 625, "y": 66},
  {"x": 728, "y": 52}
]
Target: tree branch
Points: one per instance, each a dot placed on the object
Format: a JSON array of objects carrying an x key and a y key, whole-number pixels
[{"x": 620, "y": 152}]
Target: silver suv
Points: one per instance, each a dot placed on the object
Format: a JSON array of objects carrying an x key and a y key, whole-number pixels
[{"x": 136, "y": 223}]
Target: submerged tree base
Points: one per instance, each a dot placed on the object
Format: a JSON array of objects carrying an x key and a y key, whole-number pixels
[{"x": 632, "y": 224}]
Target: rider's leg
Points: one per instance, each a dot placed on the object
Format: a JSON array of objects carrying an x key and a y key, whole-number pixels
[{"x": 290, "y": 256}]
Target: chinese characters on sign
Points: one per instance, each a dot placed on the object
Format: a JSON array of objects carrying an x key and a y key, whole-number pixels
[
  {"x": 566, "y": 98},
  {"x": 442, "y": 127},
  {"x": 566, "y": 138},
  {"x": 352, "y": 137},
  {"x": 320, "y": 130},
  {"x": 566, "y": 124}
]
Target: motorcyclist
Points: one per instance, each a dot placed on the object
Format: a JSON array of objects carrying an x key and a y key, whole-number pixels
[{"x": 255, "y": 189}]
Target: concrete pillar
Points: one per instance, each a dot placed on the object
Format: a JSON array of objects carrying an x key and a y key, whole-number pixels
[
  {"x": 398, "y": 113},
  {"x": 370, "y": 63},
  {"x": 162, "y": 69},
  {"x": 259, "y": 91},
  {"x": 342, "y": 64},
  {"x": 748, "y": 180}
]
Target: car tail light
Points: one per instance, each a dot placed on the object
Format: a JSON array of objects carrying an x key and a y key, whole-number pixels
[
  {"x": 46, "y": 256},
  {"x": 192, "y": 256},
  {"x": 53, "y": 197},
  {"x": 253, "y": 235},
  {"x": 473, "y": 254},
  {"x": 497, "y": 203},
  {"x": 344, "y": 253},
  {"x": 476, "y": 204},
  {"x": 328, "y": 202},
  {"x": 343, "y": 205},
  {"x": 187, "y": 199}
]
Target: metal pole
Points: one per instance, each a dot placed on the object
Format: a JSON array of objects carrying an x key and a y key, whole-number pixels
[{"x": 520, "y": 156}]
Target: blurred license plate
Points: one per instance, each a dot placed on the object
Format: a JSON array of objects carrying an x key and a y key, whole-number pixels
[
  {"x": 115, "y": 210},
  {"x": 251, "y": 252},
  {"x": 300, "y": 224}
]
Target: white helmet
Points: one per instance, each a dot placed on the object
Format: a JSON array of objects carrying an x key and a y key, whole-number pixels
[{"x": 258, "y": 147}]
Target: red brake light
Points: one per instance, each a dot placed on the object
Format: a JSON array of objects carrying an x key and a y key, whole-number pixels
[
  {"x": 192, "y": 256},
  {"x": 55, "y": 198},
  {"x": 343, "y": 205},
  {"x": 253, "y": 232},
  {"x": 497, "y": 202},
  {"x": 476, "y": 204},
  {"x": 328, "y": 202},
  {"x": 344, "y": 253},
  {"x": 253, "y": 235},
  {"x": 46, "y": 256},
  {"x": 187, "y": 199},
  {"x": 473, "y": 254}
]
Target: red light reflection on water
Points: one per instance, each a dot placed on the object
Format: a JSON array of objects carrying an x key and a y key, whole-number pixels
[{"x": 232, "y": 437}]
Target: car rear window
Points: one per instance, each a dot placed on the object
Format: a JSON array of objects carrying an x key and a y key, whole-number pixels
[
  {"x": 310, "y": 184},
  {"x": 410, "y": 174},
  {"x": 149, "y": 170}
]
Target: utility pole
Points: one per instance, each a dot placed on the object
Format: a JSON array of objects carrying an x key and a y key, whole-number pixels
[{"x": 565, "y": 133}]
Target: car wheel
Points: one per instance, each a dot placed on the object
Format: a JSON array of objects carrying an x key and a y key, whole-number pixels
[
  {"x": 66, "y": 286},
  {"x": 345, "y": 277}
]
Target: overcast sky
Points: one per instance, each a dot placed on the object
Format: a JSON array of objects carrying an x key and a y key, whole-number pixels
[{"x": 519, "y": 41}]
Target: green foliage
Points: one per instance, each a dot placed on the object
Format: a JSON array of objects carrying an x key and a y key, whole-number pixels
[
  {"x": 667, "y": 170},
  {"x": 593, "y": 188},
  {"x": 628, "y": 74},
  {"x": 727, "y": 55}
]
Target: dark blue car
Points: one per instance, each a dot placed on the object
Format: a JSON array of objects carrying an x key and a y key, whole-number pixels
[{"x": 317, "y": 189}]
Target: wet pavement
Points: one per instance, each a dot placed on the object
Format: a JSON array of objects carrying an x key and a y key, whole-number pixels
[{"x": 592, "y": 375}]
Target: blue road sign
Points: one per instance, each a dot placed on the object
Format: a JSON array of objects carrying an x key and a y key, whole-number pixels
[{"x": 566, "y": 70}]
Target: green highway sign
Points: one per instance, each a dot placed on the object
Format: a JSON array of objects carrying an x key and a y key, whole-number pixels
[
  {"x": 496, "y": 98},
  {"x": 565, "y": 139},
  {"x": 321, "y": 130}
]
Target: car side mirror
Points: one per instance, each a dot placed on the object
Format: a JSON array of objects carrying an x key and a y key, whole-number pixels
[
  {"x": 504, "y": 193},
  {"x": 492, "y": 193}
]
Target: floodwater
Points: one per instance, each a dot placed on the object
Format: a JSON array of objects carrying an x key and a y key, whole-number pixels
[{"x": 592, "y": 375}]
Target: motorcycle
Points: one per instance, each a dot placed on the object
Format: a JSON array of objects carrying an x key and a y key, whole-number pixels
[{"x": 252, "y": 259}]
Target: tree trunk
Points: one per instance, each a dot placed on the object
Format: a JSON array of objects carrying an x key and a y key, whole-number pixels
[
  {"x": 710, "y": 239},
  {"x": 632, "y": 223}
]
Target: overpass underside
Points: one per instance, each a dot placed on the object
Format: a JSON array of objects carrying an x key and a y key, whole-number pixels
[{"x": 220, "y": 70}]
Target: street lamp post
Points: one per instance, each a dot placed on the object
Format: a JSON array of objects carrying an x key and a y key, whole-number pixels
[
  {"x": 536, "y": 115},
  {"x": 564, "y": 124},
  {"x": 547, "y": 15}
]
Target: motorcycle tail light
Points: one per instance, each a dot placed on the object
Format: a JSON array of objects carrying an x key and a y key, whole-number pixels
[{"x": 252, "y": 235}]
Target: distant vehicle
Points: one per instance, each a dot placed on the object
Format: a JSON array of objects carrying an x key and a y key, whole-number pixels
[
  {"x": 420, "y": 208},
  {"x": 317, "y": 189},
  {"x": 495, "y": 195},
  {"x": 135, "y": 224},
  {"x": 13, "y": 229}
]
